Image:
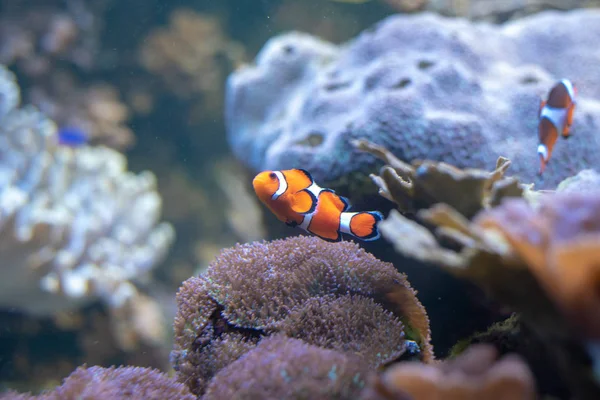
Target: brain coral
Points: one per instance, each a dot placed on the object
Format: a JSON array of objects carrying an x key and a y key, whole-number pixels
[
  {"x": 284, "y": 368},
  {"x": 332, "y": 295},
  {"x": 423, "y": 86},
  {"x": 97, "y": 383},
  {"x": 75, "y": 225}
]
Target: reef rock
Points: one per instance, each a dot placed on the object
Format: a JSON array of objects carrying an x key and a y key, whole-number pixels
[
  {"x": 423, "y": 86},
  {"x": 332, "y": 295},
  {"x": 585, "y": 181},
  {"x": 477, "y": 373}
]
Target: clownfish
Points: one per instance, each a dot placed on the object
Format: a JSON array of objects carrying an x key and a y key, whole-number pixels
[
  {"x": 294, "y": 198},
  {"x": 556, "y": 118}
]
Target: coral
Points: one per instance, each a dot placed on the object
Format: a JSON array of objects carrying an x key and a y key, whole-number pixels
[
  {"x": 329, "y": 294},
  {"x": 284, "y": 368},
  {"x": 512, "y": 336},
  {"x": 586, "y": 180},
  {"x": 192, "y": 56},
  {"x": 50, "y": 43},
  {"x": 475, "y": 374},
  {"x": 39, "y": 36},
  {"x": 560, "y": 243},
  {"x": 97, "y": 383},
  {"x": 540, "y": 261},
  {"x": 425, "y": 183},
  {"x": 350, "y": 324},
  {"x": 75, "y": 225},
  {"x": 407, "y": 5},
  {"x": 499, "y": 11},
  {"x": 95, "y": 109},
  {"x": 244, "y": 212},
  {"x": 203, "y": 345},
  {"x": 423, "y": 86},
  {"x": 292, "y": 15}
]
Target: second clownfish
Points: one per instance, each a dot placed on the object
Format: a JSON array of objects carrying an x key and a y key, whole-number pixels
[
  {"x": 294, "y": 198},
  {"x": 556, "y": 118}
]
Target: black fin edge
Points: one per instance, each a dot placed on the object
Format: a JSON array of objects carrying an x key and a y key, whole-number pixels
[
  {"x": 308, "y": 175},
  {"x": 375, "y": 234},
  {"x": 343, "y": 199}
]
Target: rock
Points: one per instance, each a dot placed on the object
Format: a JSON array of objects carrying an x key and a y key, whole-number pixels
[{"x": 423, "y": 86}]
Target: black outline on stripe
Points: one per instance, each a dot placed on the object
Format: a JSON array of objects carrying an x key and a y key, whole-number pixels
[
  {"x": 339, "y": 235},
  {"x": 314, "y": 199},
  {"x": 343, "y": 199},
  {"x": 287, "y": 187}
]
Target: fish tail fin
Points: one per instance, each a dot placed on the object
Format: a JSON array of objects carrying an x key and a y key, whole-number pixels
[{"x": 362, "y": 225}]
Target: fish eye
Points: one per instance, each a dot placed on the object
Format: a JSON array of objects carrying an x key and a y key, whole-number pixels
[{"x": 272, "y": 175}]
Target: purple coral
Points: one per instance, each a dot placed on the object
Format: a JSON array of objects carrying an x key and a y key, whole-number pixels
[
  {"x": 423, "y": 86},
  {"x": 284, "y": 368},
  {"x": 97, "y": 383},
  {"x": 333, "y": 295}
]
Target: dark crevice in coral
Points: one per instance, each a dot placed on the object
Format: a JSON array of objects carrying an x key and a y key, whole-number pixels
[
  {"x": 288, "y": 49},
  {"x": 313, "y": 139},
  {"x": 402, "y": 84},
  {"x": 513, "y": 336},
  {"x": 425, "y": 64},
  {"x": 217, "y": 326},
  {"x": 528, "y": 80},
  {"x": 330, "y": 87}
]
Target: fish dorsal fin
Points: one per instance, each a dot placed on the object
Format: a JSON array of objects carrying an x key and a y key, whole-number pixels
[
  {"x": 298, "y": 179},
  {"x": 306, "y": 173},
  {"x": 346, "y": 202},
  {"x": 303, "y": 202},
  {"x": 340, "y": 203}
]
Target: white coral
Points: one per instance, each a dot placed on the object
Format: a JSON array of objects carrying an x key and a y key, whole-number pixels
[{"x": 75, "y": 225}]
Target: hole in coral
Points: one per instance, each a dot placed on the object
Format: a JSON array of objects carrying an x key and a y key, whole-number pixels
[
  {"x": 313, "y": 139},
  {"x": 402, "y": 83},
  {"x": 529, "y": 79},
  {"x": 425, "y": 64},
  {"x": 330, "y": 87},
  {"x": 333, "y": 74},
  {"x": 288, "y": 49}
]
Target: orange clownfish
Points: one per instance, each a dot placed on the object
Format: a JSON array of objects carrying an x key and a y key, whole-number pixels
[
  {"x": 294, "y": 198},
  {"x": 556, "y": 118}
]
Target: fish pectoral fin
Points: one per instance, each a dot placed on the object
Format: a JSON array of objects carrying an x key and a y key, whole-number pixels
[{"x": 304, "y": 202}]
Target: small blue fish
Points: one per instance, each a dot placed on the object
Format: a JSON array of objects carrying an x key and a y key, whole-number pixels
[{"x": 72, "y": 136}]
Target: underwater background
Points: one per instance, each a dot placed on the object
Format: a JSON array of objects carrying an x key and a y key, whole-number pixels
[{"x": 131, "y": 234}]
